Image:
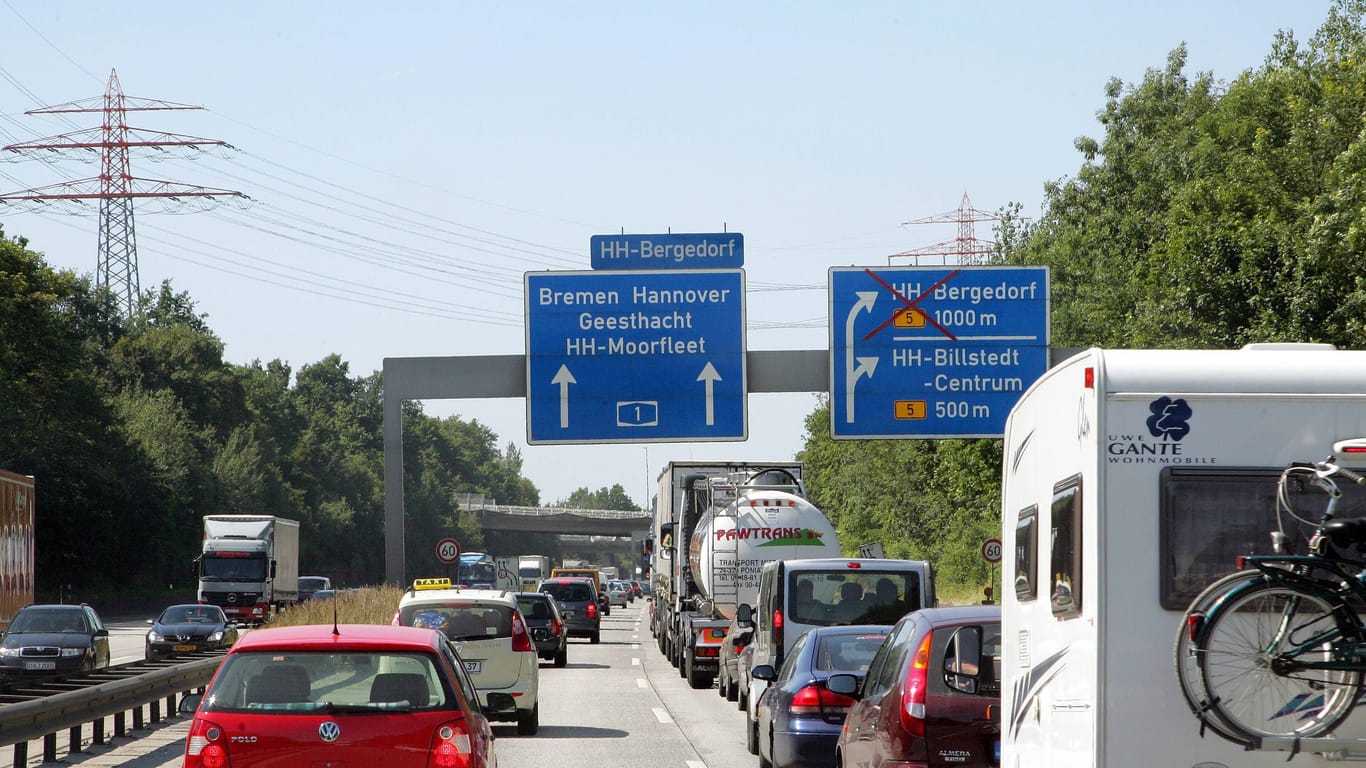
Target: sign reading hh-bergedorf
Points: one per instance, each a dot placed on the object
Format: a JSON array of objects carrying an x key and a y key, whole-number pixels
[
  {"x": 682, "y": 251},
  {"x": 933, "y": 351},
  {"x": 635, "y": 356}
]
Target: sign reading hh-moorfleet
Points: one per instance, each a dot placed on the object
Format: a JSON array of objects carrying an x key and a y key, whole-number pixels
[
  {"x": 933, "y": 351},
  {"x": 635, "y": 356},
  {"x": 723, "y": 250}
]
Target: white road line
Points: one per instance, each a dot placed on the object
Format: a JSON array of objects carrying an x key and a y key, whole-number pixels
[
  {"x": 661, "y": 715},
  {"x": 635, "y": 646},
  {"x": 642, "y": 682},
  {"x": 635, "y": 661},
  {"x": 696, "y": 764}
]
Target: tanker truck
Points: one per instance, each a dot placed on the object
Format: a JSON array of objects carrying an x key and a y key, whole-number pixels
[{"x": 715, "y": 525}]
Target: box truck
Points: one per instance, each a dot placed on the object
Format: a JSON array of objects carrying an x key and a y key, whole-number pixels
[
  {"x": 1132, "y": 479},
  {"x": 17, "y": 501},
  {"x": 249, "y": 565}
]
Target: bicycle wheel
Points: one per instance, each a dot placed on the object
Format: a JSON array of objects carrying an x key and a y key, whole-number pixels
[
  {"x": 1248, "y": 633},
  {"x": 1186, "y": 657}
]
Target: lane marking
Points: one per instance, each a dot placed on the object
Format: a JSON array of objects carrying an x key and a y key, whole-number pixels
[
  {"x": 635, "y": 661},
  {"x": 642, "y": 682},
  {"x": 695, "y": 764},
  {"x": 661, "y": 715},
  {"x": 635, "y": 646}
]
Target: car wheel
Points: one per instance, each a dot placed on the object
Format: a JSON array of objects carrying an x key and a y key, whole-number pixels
[
  {"x": 767, "y": 762},
  {"x": 528, "y": 724},
  {"x": 733, "y": 691},
  {"x": 597, "y": 637},
  {"x": 562, "y": 657},
  {"x": 742, "y": 697},
  {"x": 751, "y": 735}
]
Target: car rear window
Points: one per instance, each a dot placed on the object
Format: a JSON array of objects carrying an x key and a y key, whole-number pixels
[
  {"x": 849, "y": 596},
  {"x": 306, "y": 683},
  {"x": 848, "y": 653},
  {"x": 460, "y": 620},
  {"x": 568, "y": 593}
]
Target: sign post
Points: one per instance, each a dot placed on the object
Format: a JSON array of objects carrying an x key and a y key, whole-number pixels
[
  {"x": 928, "y": 352},
  {"x": 635, "y": 356}
]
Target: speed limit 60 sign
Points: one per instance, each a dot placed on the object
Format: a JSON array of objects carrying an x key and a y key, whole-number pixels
[
  {"x": 991, "y": 550},
  {"x": 448, "y": 550}
]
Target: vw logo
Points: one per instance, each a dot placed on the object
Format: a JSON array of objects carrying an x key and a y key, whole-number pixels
[{"x": 329, "y": 731}]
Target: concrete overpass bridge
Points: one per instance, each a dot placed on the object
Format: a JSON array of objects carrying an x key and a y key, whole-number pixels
[{"x": 588, "y": 522}]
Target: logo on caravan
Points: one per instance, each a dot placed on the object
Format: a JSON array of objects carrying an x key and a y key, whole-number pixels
[{"x": 1169, "y": 421}]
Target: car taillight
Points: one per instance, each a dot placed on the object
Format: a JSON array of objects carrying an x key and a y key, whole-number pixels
[
  {"x": 815, "y": 700},
  {"x": 706, "y": 650},
  {"x": 591, "y": 611},
  {"x": 556, "y": 627},
  {"x": 778, "y": 628},
  {"x": 205, "y": 747},
  {"x": 451, "y": 746},
  {"x": 913, "y": 692},
  {"x": 521, "y": 639}
]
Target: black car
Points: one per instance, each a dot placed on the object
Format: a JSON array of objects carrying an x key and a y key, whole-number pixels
[
  {"x": 548, "y": 631},
  {"x": 52, "y": 639},
  {"x": 189, "y": 628},
  {"x": 578, "y": 600},
  {"x": 799, "y": 718}
]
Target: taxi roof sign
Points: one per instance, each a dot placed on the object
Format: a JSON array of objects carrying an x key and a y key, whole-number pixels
[{"x": 441, "y": 583}]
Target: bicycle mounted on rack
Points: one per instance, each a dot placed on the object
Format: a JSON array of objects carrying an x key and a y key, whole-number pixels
[{"x": 1275, "y": 653}]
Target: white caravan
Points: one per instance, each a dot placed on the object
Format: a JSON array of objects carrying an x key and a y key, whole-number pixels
[{"x": 1131, "y": 479}]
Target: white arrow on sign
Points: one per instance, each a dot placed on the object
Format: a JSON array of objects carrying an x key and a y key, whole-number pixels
[
  {"x": 710, "y": 376},
  {"x": 564, "y": 378},
  {"x": 866, "y": 365}
]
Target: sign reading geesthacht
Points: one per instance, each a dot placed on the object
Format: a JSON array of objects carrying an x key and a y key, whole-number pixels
[
  {"x": 630, "y": 356},
  {"x": 681, "y": 251}
]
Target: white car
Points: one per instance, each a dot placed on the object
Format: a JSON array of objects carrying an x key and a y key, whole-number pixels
[{"x": 491, "y": 636}]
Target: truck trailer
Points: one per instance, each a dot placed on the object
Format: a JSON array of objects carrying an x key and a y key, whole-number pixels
[
  {"x": 531, "y": 570},
  {"x": 249, "y": 565},
  {"x": 715, "y": 526},
  {"x": 16, "y": 544}
]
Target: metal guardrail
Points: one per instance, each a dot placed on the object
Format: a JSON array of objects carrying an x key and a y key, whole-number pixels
[{"x": 46, "y": 716}]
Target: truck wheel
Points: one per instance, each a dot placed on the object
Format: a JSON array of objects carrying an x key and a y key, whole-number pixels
[
  {"x": 684, "y": 660},
  {"x": 698, "y": 680},
  {"x": 733, "y": 691}
]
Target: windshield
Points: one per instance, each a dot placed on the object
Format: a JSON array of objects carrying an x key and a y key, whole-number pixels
[
  {"x": 49, "y": 621},
  {"x": 233, "y": 568},
  {"x": 312, "y": 583},
  {"x": 191, "y": 614},
  {"x": 368, "y": 681},
  {"x": 479, "y": 573},
  {"x": 568, "y": 593},
  {"x": 848, "y": 653}
]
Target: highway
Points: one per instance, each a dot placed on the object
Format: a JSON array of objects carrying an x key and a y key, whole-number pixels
[{"x": 617, "y": 704}]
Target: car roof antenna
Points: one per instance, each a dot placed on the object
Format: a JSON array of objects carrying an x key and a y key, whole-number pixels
[{"x": 335, "y": 630}]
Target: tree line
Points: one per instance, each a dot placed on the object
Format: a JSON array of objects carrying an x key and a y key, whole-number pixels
[{"x": 1206, "y": 214}]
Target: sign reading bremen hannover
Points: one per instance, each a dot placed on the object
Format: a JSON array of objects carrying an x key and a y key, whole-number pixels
[{"x": 635, "y": 356}]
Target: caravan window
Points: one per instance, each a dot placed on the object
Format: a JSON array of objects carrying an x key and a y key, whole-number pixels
[
  {"x": 1026, "y": 554},
  {"x": 1065, "y": 571},
  {"x": 1210, "y": 516}
]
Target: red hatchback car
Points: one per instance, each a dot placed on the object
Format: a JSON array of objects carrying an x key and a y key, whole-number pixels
[
  {"x": 358, "y": 695},
  {"x": 932, "y": 695}
]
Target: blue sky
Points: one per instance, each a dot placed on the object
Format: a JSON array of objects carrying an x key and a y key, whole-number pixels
[{"x": 408, "y": 163}]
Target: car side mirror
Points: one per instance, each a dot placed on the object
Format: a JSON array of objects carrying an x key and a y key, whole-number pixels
[
  {"x": 842, "y": 683},
  {"x": 963, "y": 663},
  {"x": 764, "y": 672},
  {"x": 500, "y": 704},
  {"x": 190, "y": 703},
  {"x": 744, "y": 616}
]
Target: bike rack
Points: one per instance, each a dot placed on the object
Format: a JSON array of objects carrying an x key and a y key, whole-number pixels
[{"x": 1327, "y": 747}]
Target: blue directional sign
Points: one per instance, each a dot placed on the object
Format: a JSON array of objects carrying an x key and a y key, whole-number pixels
[
  {"x": 933, "y": 351},
  {"x": 629, "y": 357},
  {"x": 681, "y": 251}
]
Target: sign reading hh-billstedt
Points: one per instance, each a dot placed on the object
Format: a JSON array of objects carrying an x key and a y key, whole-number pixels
[
  {"x": 635, "y": 356},
  {"x": 682, "y": 251},
  {"x": 933, "y": 351}
]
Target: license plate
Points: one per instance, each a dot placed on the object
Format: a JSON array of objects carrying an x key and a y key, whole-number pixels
[
  {"x": 472, "y": 667},
  {"x": 185, "y": 648},
  {"x": 40, "y": 665},
  {"x": 569, "y": 614}
]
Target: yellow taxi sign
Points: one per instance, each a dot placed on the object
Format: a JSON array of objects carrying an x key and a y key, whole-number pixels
[{"x": 443, "y": 583}]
